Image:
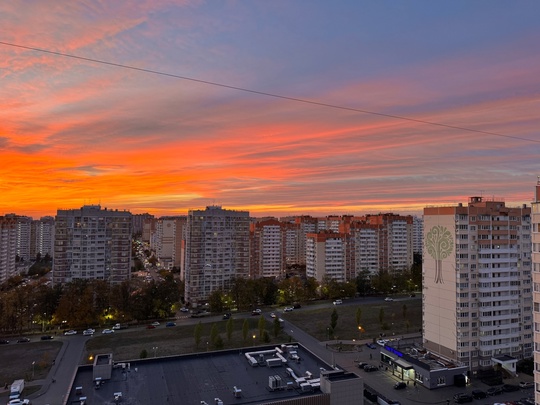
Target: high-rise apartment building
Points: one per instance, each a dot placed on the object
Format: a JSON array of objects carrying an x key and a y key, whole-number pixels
[
  {"x": 217, "y": 251},
  {"x": 8, "y": 247},
  {"x": 167, "y": 241},
  {"x": 535, "y": 245},
  {"x": 42, "y": 237},
  {"x": 477, "y": 298},
  {"x": 92, "y": 243},
  {"x": 418, "y": 234},
  {"x": 268, "y": 248},
  {"x": 326, "y": 255}
]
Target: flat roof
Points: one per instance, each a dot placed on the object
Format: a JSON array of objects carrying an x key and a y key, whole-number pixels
[{"x": 190, "y": 379}]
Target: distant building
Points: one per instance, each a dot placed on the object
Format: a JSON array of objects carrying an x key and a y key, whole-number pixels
[
  {"x": 92, "y": 243},
  {"x": 326, "y": 255},
  {"x": 167, "y": 241},
  {"x": 8, "y": 247},
  {"x": 217, "y": 251},
  {"x": 418, "y": 234},
  {"x": 268, "y": 248},
  {"x": 477, "y": 292},
  {"x": 138, "y": 222},
  {"x": 42, "y": 237}
]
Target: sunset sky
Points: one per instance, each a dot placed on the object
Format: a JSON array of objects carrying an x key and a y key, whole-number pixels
[{"x": 75, "y": 131}]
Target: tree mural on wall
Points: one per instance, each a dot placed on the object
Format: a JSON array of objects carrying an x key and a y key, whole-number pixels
[{"x": 439, "y": 244}]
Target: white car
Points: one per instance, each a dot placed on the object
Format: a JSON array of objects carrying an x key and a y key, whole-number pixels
[
  {"x": 107, "y": 331},
  {"x": 288, "y": 309},
  {"x": 338, "y": 302},
  {"x": 19, "y": 401},
  {"x": 389, "y": 299},
  {"x": 155, "y": 323},
  {"x": 273, "y": 315},
  {"x": 88, "y": 332},
  {"x": 70, "y": 332}
]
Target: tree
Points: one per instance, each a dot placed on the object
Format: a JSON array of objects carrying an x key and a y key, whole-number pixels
[
  {"x": 218, "y": 342},
  {"x": 333, "y": 319},
  {"x": 215, "y": 301},
  {"x": 213, "y": 333},
  {"x": 245, "y": 330},
  {"x": 262, "y": 326},
  {"x": 277, "y": 327},
  {"x": 229, "y": 328},
  {"x": 197, "y": 332},
  {"x": 439, "y": 245},
  {"x": 358, "y": 316}
]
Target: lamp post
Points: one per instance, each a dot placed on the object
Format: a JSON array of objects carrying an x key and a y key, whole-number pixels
[
  {"x": 327, "y": 333},
  {"x": 33, "y": 369},
  {"x": 254, "y": 339},
  {"x": 155, "y": 350}
]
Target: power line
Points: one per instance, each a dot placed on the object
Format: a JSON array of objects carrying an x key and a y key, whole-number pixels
[{"x": 263, "y": 93}]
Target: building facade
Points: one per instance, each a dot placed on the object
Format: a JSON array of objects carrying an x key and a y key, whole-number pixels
[
  {"x": 535, "y": 245},
  {"x": 217, "y": 251},
  {"x": 92, "y": 243},
  {"x": 8, "y": 247},
  {"x": 268, "y": 248},
  {"x": 326, "y": 256},
  {"x": 477, "y": 299}
]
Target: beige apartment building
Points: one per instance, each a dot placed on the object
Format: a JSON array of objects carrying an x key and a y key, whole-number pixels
[{"x": 477, "y": 298}]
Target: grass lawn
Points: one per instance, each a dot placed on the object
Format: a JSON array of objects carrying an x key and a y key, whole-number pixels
[{"x": 396, "y": 320}]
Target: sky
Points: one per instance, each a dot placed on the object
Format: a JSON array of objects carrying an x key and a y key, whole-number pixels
[{"x": 297, "y": 107}]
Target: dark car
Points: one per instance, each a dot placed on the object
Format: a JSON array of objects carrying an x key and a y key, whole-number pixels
[
  {"x": 362, "y": 365},
  {"x": 510, "y": 387},
  {"x": 478, "y": 394},
  {"x": 170, "y": 324},
  {"x": 494, "y": 391},
  {"x": 47, "y": 337},
  {"x": 369, "y": 368},
  {"x": 23, "y": 340},
  {"x": 371, "y": 345},
  {"x": 4, "y": 342},
  {"x": 400, "y": 385},
  {"x": 150, "y": 327},
  {"x": 227, "y": 315},
  {"x": 296, "y": 305},
  {"x": 462, "y": 398}
]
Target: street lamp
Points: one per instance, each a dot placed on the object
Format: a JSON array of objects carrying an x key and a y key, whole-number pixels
[
  {"x": 155, "y": 350},
  {"x": 328, "y": 333},
  {"x": 254, "y": 339},
  {"x": 33, "y": 368}
]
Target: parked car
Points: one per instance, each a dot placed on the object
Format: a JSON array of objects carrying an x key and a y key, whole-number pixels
[
  {"x": 23, "y": 340},
  {"x": 510, "y": 387},
  {"x": 526, "y": 384},
  {"x": 169, "y": 324},
  {"x": 371, "y": 345},
  {"x": 361, "y": 365},
  {"x": 338, "y": 302},
  {"x": 155, "y": 323},
  {"x": 462, "y": 398},
  {"x": 150, "y": 326},
  {"x": 478, "y": 394},
  {"x": 369, "y": 368},
  {"x": 400, "y": 385},
  {"x": 288, "y": 309},
  {"x": 227, "y": 315},
  {"x": 70, "y": 332},
  {"x": 88, "y": 332},
  {"x": 107, "y": 331},
  {"x": 494, "y": 391},
  {"x": 47, "y": 337},
  {"x": 184, "y": 309},
  {"x": 19, "y": 401},
  {"x": 412, "y": 295},
  {"x": 296, "y": 305},
  {"x": 389, "y": 299},
  {"x": 4, "y": 342},
  {"x": 256, "y": 312},
  {"x": 273, "y": 315}
]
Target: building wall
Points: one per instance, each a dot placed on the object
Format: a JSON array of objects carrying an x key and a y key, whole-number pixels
[
  {"x": 217, "y": 251},
  {"x": 91, "y": 243},
  {"x": 535, "y": 239},
  {"x": 8, "y": 247}
]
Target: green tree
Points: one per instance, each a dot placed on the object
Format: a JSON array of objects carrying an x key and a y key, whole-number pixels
[
  {"x": 143, "y": 354},
  {"x": 333, "y": 319},
  {"x": 215, "y": 300},
  {"x": 213, "y": 334},
  {"x": 218, "y": 343},
  {"x": 277, "y": 327},
  {"x": 197, "y": 332},
  {"x": 245, "y": 330},
  {"x": 381, "y": 316},
  {"x": 229, "y": 328},
  {"x": 358, "y": 316},
  {"x": 262, "y": 326},
  {"x": 265, "y": 337}
]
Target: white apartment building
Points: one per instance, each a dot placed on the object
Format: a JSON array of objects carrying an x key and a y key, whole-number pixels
[
  {"x": 477, "y": 298},
  {"x": 418, "y": 234},
  {"x": 42, "y": 237},
  {"x": 92, "y": 243},
  {"x": 167, "y": 241},
  {"x": 326, "y": 256},
  {"x": 268, "y": 248},
  {"x": 8, "y": 247},
  {"x": 217, "y": 251}
]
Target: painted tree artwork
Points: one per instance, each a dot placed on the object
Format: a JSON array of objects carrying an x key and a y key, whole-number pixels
[{"x": 439, "y": 245}]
